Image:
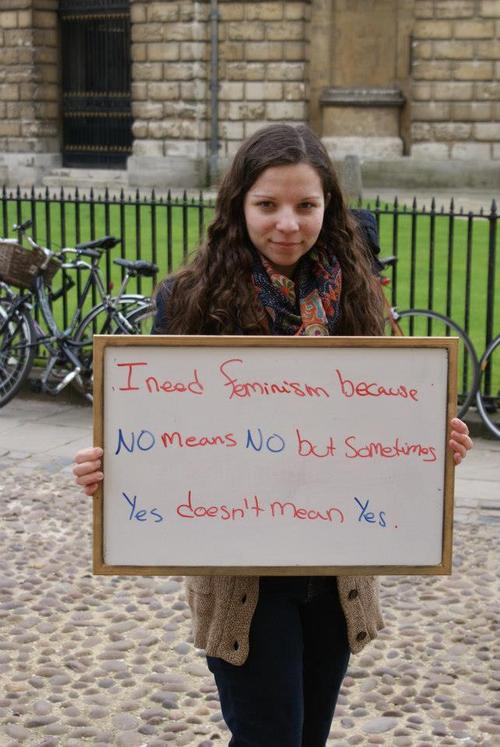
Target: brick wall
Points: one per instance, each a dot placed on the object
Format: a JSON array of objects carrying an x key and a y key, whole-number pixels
[
  {"x": 262, "y": 74},
  {"x": 263, "y": 67},
  {"x": 456, "y": 79},
  {"x": 29, "y": 88},
  {"x": 170, "y": 53}
]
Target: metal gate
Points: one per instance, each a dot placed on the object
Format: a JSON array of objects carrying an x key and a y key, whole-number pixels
[{"x": 97, "y": 118}]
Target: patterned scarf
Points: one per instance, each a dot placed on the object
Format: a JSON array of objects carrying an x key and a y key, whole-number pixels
[{"x": 307, "y": 305}]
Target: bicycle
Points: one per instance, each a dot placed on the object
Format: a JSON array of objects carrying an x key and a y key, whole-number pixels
[
  {"x": 428, "y": 323},
  {"x": 487, "y": 407},
  {"x": 70, "y": 350}
]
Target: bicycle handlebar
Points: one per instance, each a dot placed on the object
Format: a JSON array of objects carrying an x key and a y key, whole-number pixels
[{"x": 23, "y": 226}]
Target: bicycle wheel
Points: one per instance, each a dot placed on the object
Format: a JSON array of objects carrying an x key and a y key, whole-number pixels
[
  {"x": 101, "y": 320},
  {"x": 17, "y": 349},
  {"x": 142, "y": 320},
  {"x": 427, "y": 323},
  {"x": 490, "y": 406}
]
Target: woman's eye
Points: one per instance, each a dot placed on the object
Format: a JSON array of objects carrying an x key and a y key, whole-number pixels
[{"x": 307, "y": 205}]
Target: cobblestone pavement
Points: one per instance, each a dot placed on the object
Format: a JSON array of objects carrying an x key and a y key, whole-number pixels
[{"x": 110, "y": 661}]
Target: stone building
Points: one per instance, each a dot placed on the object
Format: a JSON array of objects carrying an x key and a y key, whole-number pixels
[{"x": 163, "y": 91}]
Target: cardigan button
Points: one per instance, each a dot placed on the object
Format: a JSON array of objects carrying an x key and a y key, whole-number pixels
[
  {"x": 352, "y": 594},
  {"x": 236, "y": 645},
  {"x": 243, "y": 598},
  {"x": 361, "y": 636}
]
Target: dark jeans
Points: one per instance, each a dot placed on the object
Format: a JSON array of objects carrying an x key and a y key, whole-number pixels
[{"x": 284, "y": 695}]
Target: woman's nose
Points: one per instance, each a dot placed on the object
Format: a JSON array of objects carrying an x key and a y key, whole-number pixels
[{"x": 287, "y": 221}]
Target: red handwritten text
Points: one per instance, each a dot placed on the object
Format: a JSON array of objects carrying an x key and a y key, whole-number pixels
[
  {"x": 287, "y": 508},
  {"x": 129, "y": 387},
  {"x": 375, "y": 449},
  {"x": 152, "y": 384},
  {"x": 305, "y": 447},
  {"x": 363, "y": 389},
  {"x": 174, "y": 438},
  {"x": 255, "y": 507},
  {"x": 189, "y": 511},
  {"x": 244, "y": 389}
]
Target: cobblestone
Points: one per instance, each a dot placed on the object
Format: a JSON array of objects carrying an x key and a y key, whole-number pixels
[{"x": 110, "y": 661}]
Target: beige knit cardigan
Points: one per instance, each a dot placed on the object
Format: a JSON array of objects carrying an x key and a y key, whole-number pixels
[{"x": 222, "y": 608}]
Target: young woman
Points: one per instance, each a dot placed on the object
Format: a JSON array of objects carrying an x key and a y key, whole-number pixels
[{"x": 283, "y": 257}]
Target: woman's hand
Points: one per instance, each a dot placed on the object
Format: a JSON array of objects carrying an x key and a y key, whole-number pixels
[
  {"x": 460, "y": 442},
  {"x": 87, "y": 469}
]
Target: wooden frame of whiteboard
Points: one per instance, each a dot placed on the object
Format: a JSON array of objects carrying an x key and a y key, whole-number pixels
[{"x": 101, "y": 342}]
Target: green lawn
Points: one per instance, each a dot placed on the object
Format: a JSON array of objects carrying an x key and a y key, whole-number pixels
[{"x": 166, "y": 233}]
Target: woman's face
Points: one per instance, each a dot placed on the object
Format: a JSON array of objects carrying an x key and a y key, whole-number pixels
[{"x": 284, "y": 212}]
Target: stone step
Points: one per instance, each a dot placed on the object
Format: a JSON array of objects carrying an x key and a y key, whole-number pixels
[{"x": 86, "y": 178}]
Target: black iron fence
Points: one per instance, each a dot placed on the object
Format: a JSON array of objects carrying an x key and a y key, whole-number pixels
[{"x": 447, "y": 259}]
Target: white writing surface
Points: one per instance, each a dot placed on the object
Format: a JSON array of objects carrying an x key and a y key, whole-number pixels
[{"x": 224, "y": 455}]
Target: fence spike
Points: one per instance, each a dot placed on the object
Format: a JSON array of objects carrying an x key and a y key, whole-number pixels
[
  {"x": 414, "y": 203},
  {"x": 493, "y": 207},
  {"x": 122, "y": 195},
  {"x": 433, "y": 205},
  {"x": 153, "y": 195},
  {"x": 452, "y": 205},
  {"x": 396, "y": 203}
]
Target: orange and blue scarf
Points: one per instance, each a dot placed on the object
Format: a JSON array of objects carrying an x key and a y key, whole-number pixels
[{"x": 307, "y": 305}]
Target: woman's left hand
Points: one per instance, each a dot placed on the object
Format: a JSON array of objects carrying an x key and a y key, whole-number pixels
[{"x": 460, "y": 442}]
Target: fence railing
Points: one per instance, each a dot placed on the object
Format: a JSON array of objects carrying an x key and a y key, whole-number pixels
[{"x": 447, "y": 259}]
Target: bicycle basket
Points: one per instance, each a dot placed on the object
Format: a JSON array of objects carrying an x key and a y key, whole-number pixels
[{"x": 19, "y": 266}]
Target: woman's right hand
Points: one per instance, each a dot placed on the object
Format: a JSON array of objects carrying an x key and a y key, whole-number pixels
[{"x": 87, "y": 469}]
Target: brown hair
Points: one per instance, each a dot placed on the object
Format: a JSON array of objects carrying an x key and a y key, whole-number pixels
[{"x": 214, "y": 293}]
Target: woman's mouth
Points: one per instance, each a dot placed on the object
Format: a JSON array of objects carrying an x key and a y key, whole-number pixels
[{"x": 285, "y": 244}]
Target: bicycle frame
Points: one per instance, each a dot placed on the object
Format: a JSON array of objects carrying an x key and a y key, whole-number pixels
[{"x": 69, "y": 348}]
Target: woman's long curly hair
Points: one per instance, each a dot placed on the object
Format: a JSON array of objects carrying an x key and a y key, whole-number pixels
[{"x": 214, "y": 293}]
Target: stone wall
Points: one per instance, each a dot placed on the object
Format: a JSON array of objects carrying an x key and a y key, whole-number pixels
[
  {"x": 29, "y": 87},
  {"x": 455, "y": 106},
  {"x": 263, "y": 67},
  {"x": 170, "y": 91},
  {"x": 262, "y": 78},
  {"x": 384, "y": 79}
]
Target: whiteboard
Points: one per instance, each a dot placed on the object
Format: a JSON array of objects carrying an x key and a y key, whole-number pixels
[{"x": 274, "y": 455}]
